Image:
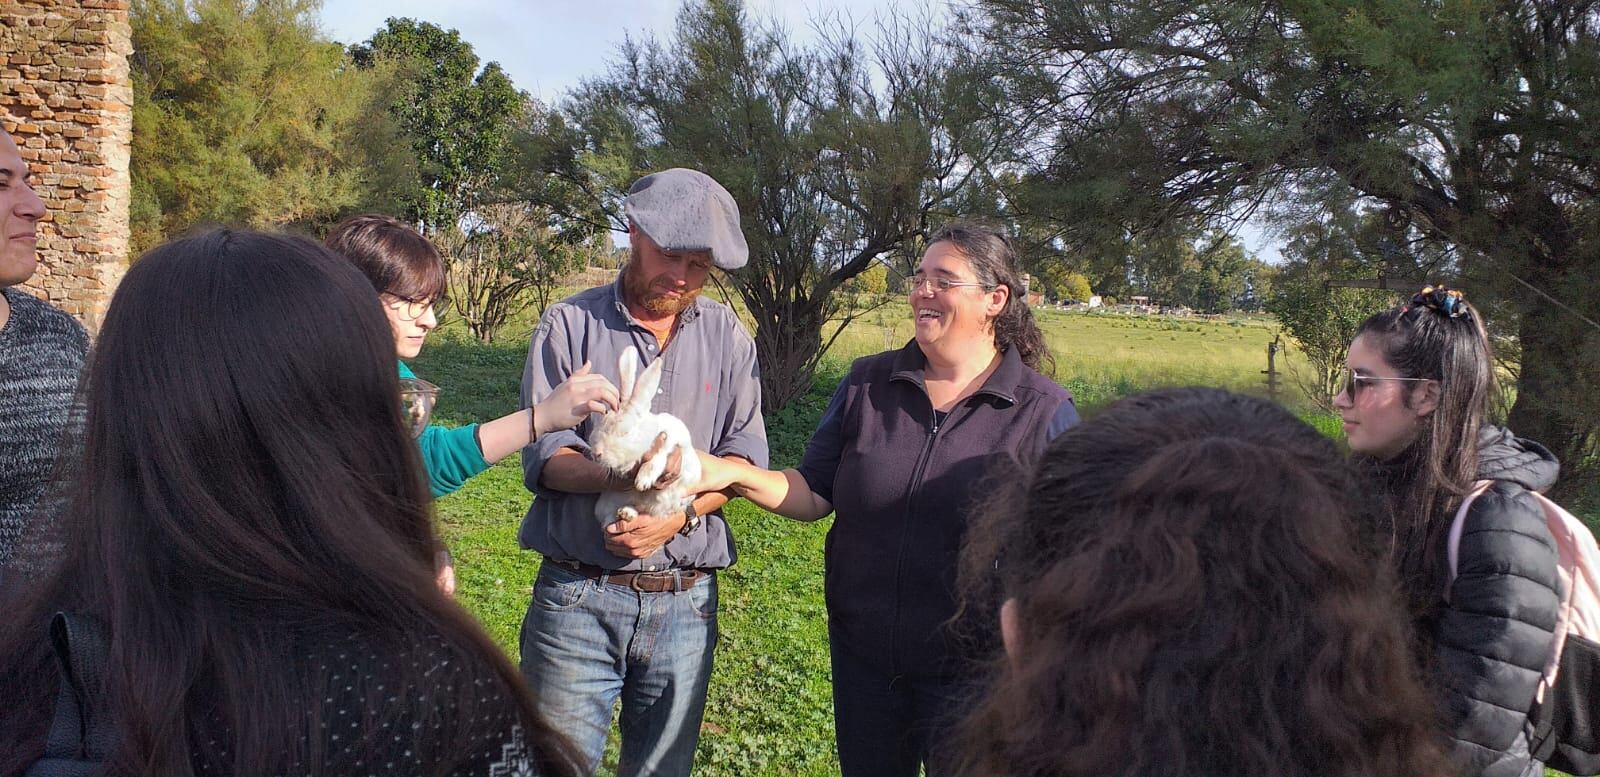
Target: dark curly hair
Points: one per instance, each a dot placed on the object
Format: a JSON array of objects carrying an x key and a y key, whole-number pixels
[
  {"x": 994, "y": 262},
  {"x": 1192, "y": 597}
]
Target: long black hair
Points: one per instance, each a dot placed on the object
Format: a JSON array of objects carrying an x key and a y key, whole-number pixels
[
  {"x": 1193, "y": 596},
  {"x": 1436, "y": 335},
  {"x": 245, "y": 479}
]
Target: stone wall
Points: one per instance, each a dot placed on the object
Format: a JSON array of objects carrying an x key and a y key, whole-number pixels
[{"x": 66, "y": 98}]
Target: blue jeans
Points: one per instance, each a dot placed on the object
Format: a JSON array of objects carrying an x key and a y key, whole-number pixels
[
  {"x": 892, "y": 726},
  {"x": 585, "y": 643}
]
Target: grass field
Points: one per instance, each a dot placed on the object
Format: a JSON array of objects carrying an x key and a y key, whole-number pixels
[{"x": 769, "y": 711}]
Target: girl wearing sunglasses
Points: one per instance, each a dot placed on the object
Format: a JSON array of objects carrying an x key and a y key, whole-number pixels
[{"x": 1413, "y": 403}]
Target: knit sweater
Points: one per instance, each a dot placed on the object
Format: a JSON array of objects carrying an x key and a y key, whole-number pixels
[{"x": 41, "y": 354}]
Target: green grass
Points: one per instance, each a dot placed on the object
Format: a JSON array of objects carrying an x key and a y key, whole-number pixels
[
  {"x": 1101, "y": 356},
  {"x": 769, "y": 710}
]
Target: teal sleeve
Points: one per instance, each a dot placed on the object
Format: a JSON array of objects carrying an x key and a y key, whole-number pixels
[{"x": 451, "y": 456}]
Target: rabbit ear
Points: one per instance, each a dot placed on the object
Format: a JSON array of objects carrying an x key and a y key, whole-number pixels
[
  {"x": 645, "y": 391},
  {"x": 627, "y": 368}
]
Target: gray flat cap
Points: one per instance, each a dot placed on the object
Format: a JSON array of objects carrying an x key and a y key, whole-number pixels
[{"x": 686, "y": 210}]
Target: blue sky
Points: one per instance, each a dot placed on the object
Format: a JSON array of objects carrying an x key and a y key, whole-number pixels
[{"x": 549, "y": 46}]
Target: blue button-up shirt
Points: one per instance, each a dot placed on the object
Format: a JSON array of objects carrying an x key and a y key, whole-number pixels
[{"x": 710, "y": 382}]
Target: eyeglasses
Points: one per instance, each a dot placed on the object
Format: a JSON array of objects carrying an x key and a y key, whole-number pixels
[
  {"x": 412, "y": 309},
  {"x": 1350, "y": 383},
  {"x": 919, "y": 281}
]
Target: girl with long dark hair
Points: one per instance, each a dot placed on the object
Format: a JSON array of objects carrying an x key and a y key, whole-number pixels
[
  {"x": 248, "y": 522},
  {"x": 1414, "y": 403},
  {"x": 1185, "y": 592}
]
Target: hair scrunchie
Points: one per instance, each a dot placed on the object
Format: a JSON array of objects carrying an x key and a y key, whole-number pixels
[{"x": 1450, "y": 303}]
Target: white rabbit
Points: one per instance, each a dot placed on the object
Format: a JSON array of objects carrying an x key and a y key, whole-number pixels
[{"x": 626, "y": 434}]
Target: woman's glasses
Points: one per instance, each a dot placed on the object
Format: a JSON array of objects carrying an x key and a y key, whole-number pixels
[
  {"x": 1351, "y": 383},
  {"x": 413, "y": 309},
  {"x": 919, "y": 281}
]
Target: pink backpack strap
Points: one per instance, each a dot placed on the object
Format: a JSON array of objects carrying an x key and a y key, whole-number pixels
[
  {"x": 1453, "y": 542},
  {"x": 1578, "y": 566}
]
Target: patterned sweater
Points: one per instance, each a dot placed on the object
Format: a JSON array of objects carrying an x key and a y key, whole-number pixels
[{"x": 41, "y": 354}]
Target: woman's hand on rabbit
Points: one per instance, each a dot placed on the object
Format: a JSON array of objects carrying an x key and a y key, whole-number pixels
[
  {"x": 583, "y": 393},
  {"x": 669, "y": 474}
]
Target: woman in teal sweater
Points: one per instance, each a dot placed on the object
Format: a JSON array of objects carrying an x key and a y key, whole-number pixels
[{"x": 409, "y": 276}]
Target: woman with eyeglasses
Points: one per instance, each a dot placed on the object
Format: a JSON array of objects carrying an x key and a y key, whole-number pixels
[
  {"x": 409, "y": 275},
  {"x": 1414, "y": 402},
  {"x": 900, "y": 457}
]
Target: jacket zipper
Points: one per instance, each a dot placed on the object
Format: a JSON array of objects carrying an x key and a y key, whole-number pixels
[{"x": 905, "y": 528}]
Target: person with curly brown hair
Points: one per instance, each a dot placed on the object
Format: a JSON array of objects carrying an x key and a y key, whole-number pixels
[{"x": 1183, "y": 589}]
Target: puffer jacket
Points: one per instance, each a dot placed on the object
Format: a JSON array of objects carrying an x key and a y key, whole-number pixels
[{"x": 1492, "y": 639}]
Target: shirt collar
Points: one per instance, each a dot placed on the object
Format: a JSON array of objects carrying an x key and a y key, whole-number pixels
[{"x": 910, "y": 364}]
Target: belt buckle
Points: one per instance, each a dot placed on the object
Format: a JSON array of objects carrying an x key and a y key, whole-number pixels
[{"x": 672, "y": 578}]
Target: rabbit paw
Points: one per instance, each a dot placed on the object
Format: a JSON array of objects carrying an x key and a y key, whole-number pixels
[{"x": 650, "y": 470}]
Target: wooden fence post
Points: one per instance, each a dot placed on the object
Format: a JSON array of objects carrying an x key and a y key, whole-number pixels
[{"x": 1272, "y": 366}]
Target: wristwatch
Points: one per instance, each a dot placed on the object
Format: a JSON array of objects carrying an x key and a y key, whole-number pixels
[{"x": 691, "y": 519}]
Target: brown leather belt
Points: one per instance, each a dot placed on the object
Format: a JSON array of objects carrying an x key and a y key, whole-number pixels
[{"x": 673, "y": 580}]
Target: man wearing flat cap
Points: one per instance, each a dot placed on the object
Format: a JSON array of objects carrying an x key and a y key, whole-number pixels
[{"x": 629, "y": 608}]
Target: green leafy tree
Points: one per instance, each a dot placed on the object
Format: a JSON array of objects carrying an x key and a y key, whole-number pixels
[
  {"x": 1323, "y": 320},
  {"x": 1076, "y": 287},
  {"x": 873, "y": 281},
  {"x": 1217, "y": 277},
  {"x": 244, "y": 114},
  {"x": 1207, "y": 272},
  {"x": 1475, "y": 125},
  {"x": 837, "y": 155},
  {"x": 505, "y": 258},
  {"x": 457, "y": 117},
  {"x": 1059, "y": 282},
  {"x": 1260, "y": 278}
]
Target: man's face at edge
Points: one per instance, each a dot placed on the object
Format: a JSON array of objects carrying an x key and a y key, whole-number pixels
[{"x": 20, "y": 213}]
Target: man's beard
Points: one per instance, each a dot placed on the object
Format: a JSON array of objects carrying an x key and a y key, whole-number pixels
[{"x": 642, "y": 292}]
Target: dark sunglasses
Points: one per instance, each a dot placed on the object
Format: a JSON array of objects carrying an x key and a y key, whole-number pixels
[{"x": 1351, "y": 383}]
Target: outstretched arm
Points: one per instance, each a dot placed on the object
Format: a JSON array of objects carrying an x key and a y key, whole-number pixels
[
  {"x": 565, "y": 407},
  {"x": 784, "y": 492}
]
